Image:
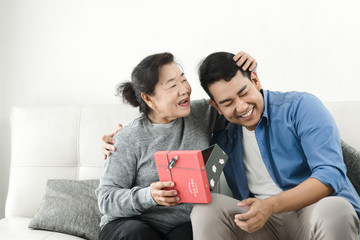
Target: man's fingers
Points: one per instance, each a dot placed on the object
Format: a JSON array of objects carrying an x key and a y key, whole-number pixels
[
  {"x": 119, "y": 127},
  {"x": 111, "y": 139},
  {"x": 105, "y": 152},
  {"x": 244, "y": 216},
  {"x": 250, "y": 226},
  {"x": 247, "y": 202},
  {"x": 250, "y": 213},
  {"x": 247, "y": 223},
  {"x": 108, "y": 147},
  {"x": 247, "y": 226},
  {"x": 253, "y": 225},
  {"x": 104, "y": 155},
  {"x": 241, "y": 224},
  {"x": 108, "y": 139}
]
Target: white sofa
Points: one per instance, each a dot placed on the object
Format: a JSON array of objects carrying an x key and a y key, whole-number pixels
[{"x": 63, "y": 142}]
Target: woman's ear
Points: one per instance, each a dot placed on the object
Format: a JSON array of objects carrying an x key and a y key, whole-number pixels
[{"x": 148, "y": 100}]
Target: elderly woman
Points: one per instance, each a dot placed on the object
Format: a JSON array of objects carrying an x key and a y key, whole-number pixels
[{"x": 134, "y": 202}]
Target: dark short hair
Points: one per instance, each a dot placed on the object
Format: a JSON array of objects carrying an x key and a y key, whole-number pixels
[
  {"x": 144, "y": 78},
  {"x": 218, "y": 66}
]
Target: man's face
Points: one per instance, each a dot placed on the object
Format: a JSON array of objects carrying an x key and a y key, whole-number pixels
[{"x": 239, "y": 100}]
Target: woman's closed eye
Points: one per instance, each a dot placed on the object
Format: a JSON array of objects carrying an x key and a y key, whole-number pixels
[{"x": 174, "y": 85}]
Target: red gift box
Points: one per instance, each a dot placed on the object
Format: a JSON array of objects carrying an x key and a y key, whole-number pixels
[{"x": 187, "y": 170}]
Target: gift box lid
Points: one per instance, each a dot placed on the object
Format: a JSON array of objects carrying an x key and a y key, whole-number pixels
[{"x": 215, "y": 159}]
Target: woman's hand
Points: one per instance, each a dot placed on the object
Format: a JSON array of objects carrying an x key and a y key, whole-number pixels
[
  {"x": 245, "y": 60},
  {"x": 108, "y": 142},
  {"x": 162, "y": 196}
]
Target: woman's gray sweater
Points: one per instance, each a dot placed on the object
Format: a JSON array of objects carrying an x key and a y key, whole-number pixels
[{"x": 124, "y": 189}]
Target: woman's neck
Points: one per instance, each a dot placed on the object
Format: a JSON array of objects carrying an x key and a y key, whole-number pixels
[{"x": 157, "y": 119}]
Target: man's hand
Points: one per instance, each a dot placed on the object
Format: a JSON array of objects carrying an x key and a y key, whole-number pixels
[
  {"x": 162, "y": 196},
  {"x": 253, "y": 220},
  {"x": 304, "y": 194},
  {"x": 245, "y": 60},
  {"x": 108, "y": 142}
]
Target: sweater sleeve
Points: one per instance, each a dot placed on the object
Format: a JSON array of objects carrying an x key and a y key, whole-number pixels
[
  {"x": 118, "y": 195},
  {"x": 210, "y": 118}
]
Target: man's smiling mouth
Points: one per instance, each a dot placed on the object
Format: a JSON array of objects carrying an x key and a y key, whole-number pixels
[{"x": 247, "y": 114}]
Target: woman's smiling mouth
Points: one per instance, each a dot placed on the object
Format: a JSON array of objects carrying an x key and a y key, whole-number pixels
[{"x": 185, "y": 102}]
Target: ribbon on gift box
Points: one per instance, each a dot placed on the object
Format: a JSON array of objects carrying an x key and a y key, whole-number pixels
[{"x": 171, "y": 164}]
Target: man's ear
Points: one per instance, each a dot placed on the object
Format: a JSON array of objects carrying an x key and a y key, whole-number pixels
[
  {"x": 255, "y": 79},
  {"x": 214, "y": 105},
  {"x": 148, "y": 100}
]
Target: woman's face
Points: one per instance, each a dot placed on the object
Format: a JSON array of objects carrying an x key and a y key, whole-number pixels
[{"x": 171, "y": 98}]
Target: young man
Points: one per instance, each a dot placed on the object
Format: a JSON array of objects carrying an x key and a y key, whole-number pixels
[{"x": 285, "y": 163}]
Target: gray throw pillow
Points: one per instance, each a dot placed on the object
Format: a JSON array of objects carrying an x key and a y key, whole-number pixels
[
  {"x": 69, "y": 206},
  {"x": 352, "y": 162}
]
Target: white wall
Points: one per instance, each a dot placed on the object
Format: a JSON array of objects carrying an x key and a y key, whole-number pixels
[{"x": 76, "y": 51}]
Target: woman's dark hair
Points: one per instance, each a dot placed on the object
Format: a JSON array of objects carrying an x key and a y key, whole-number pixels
[
  {"x": 218, "y": 66},
  {"x": 144, "y": 77}
]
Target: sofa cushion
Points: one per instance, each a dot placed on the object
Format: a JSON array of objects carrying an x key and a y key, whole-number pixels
[
  {"x": 69, "y": 206},
  {"x": 16, "y": 228},
  {"x": 352, "y": 162}
]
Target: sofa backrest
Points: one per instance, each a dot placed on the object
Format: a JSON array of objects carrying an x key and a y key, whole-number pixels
[
  {"x": 346, "y": 115},
  {"x": 56, "y": 142},
  {"x": 64, "y": 142}
]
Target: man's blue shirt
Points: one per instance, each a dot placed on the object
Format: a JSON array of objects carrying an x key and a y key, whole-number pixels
[{"x": 298, "y": 139}]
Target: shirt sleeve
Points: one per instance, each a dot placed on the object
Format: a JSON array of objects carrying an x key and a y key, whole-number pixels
[
  {"x": 320, "y": 141},
  {"x": 117, "y": 194}
]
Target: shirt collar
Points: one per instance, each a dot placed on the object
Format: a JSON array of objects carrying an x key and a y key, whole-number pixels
[{"x": 265, "y": 114}]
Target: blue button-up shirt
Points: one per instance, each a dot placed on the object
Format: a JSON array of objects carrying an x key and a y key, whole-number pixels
[{"x": 298, "y": 139}]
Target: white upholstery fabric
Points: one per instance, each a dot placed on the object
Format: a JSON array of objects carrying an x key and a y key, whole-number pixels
[
  {"x": 16, "y": 228},
  {"x": 64, "y": 142},
  {"x": 347, "y": 115},
  {"x": 56, "y": 142}
]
